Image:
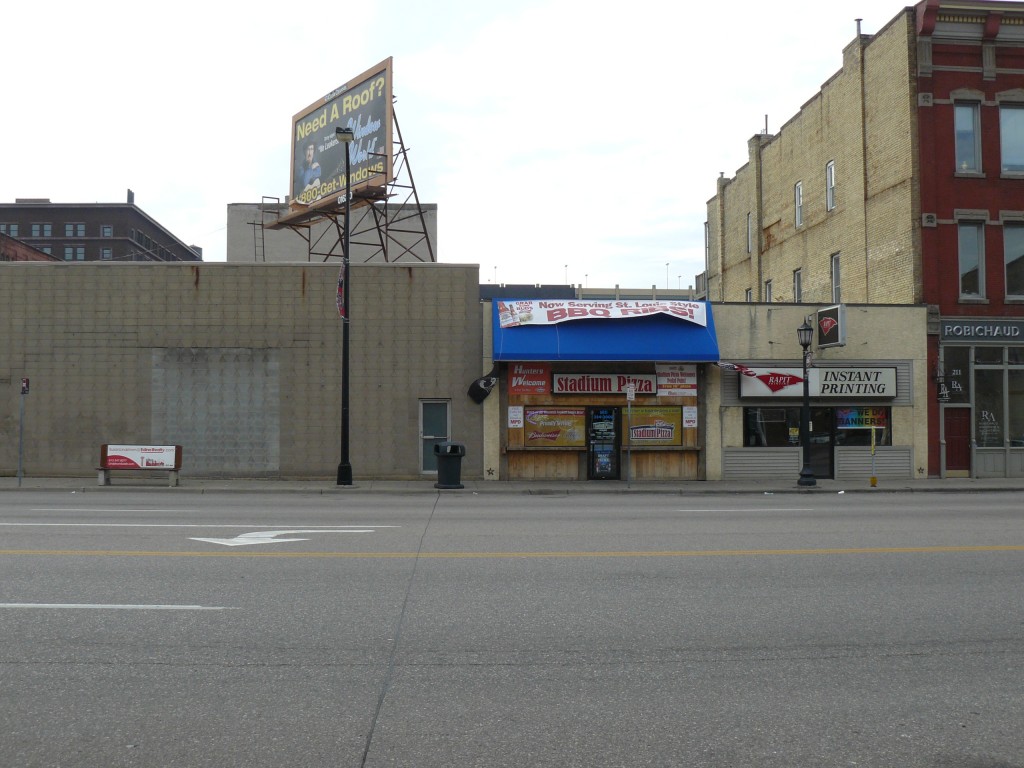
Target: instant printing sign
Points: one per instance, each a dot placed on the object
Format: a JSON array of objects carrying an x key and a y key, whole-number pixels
[{"x": 822, "y": 382}]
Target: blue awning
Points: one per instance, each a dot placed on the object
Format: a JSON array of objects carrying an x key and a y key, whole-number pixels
[{"x": 655, "y": 337}]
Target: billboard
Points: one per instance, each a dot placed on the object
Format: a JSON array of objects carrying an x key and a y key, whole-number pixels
[{"x": 318, "y": 158}]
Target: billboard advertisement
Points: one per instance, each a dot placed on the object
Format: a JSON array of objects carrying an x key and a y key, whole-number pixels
[{"x": 318, "y": 158}]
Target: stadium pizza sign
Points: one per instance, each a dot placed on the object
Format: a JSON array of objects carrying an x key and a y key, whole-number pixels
[{"x": 604, "y": 384}]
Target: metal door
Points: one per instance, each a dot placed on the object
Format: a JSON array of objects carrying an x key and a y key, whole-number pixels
[
  {"x": 603, "y": 443},
  {"x": 957, "y": 435},
  {"x": 822, "y": 442},
  {"x": 435, "y": 427}
]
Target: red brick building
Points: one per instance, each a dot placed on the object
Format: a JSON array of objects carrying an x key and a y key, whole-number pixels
[
  {"x": 15, "y": 250},
  {"x": 970, "y": 108}
]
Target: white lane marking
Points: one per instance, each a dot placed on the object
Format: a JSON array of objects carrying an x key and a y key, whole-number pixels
[
  {"x": 173, "y": 525},
  {"x": 270, "y": 537},
  {"x": 105, "y": 509},
  {"x": 102, "y": 606},
  {"x": 754, "y": 509}
]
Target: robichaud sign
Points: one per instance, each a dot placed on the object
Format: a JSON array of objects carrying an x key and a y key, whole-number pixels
[{"x": 979, "y": 331}]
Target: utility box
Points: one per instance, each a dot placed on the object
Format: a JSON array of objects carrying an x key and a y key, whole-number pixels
[{"x": 449, "y": 464}]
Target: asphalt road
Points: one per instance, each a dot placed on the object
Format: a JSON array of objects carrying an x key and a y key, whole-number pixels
[{"x": 262, "y": 629}]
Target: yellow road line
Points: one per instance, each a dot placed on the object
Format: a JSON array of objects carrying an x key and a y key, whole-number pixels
[{"x": 522, "y": 555}]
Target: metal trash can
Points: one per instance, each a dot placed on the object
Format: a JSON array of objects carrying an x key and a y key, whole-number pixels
[{"x": 449, "y": 464}]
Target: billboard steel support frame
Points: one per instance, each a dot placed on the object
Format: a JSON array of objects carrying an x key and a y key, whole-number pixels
[{"x": 376, "y": 221}]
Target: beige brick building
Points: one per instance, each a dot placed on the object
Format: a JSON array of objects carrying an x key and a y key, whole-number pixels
[{"x": 826, "y": 207}]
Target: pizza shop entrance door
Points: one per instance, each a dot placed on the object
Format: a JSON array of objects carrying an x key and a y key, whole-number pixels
[{"x": 603, "y": 441}]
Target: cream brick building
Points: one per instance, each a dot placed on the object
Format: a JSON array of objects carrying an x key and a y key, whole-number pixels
[{"x": 828, "y": 203}]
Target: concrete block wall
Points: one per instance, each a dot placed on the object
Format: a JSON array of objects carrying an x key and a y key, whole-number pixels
[
  {"x": 426, "y": 338},
  {"x": 99, "y": 340}
]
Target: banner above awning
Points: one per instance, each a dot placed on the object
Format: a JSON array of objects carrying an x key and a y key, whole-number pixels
[
  {"x": 657, "y": 331},
  {"x": 514, "y": 312}
]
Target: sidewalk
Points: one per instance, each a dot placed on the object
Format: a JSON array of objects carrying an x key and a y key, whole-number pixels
[{"x": 538, "y": 487}]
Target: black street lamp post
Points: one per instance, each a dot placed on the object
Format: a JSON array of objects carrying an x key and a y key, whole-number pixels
[
  {"x": 804, "y": 334},
  {"x": 345, "y": 136}
]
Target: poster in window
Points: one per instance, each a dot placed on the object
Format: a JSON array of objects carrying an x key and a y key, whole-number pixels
[
  {"x": 655, "y": 426},
  {"x": 677, "y": 380},
  {"x": 555, "y": 427}
]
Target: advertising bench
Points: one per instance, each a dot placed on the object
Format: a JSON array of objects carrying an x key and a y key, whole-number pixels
[{"x": 161, "y": 458}]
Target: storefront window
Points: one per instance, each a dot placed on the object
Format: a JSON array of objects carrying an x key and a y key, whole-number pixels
[
  {"x": 988, "y": 408},
  {"x": 1016, "y": 392},
  {"x": 988, "y": 355},
  {"x": 778, "y": 427},
  {"x": 854, "y": 425},
  {"x": 771, "y": 427},
  {"x": 1016, "y": 355}
]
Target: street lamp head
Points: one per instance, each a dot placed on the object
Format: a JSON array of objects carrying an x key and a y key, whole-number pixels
[
  {"x": 345, "y": 135},
  {"x": 804, "y": 334}
]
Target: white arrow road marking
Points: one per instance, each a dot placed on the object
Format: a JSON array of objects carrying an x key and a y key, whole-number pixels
[{"x": 270, "y": 537}]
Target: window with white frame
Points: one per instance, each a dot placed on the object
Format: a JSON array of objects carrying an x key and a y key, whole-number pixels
[
  {"x": 42, "y": 229},
  {"x": 837, "y": 282},
  {"x": 967, "y": 135},
  {"x": 748, "y": 296},
  {"x": 106, "y": 230},
  {"x": 1011, "y": 137},
  {"x": 768, "y": 291},
  {"x": 798, "y": 286},
  {"x": 9, "y": 228},
  {"x": 971, "y": 254},
  {"x": 74, "y": 229},
  {"x": 1013, "y": 259},
  {"x": 830, "y": 185},
  {"x": 106, "y": 253},
  {"x": 798, "y": 203}
]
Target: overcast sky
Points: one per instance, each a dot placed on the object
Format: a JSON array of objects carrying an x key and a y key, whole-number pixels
[{"x": 562, "y": 140}]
